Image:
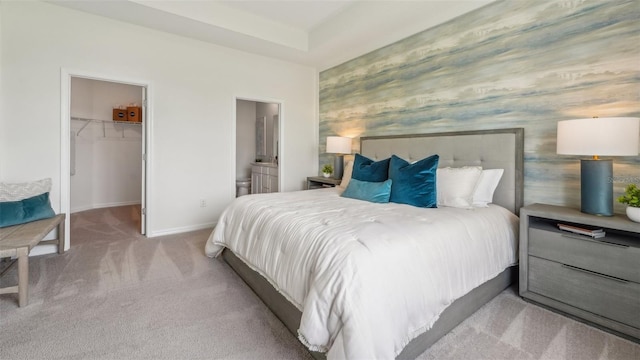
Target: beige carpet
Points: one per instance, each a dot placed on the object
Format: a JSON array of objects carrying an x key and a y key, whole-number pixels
[{"x": 119, "y": 295}]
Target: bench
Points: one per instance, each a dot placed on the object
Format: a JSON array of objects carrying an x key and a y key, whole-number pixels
[{"x": 17, "y": 241}]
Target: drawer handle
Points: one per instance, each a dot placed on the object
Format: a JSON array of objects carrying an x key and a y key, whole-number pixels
[
  {"x": 595, "y": 273},
  {"x": 586, "y": 238}
]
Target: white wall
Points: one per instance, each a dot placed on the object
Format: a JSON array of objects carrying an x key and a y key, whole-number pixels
[
  {"x": 108, "y": 161},
  {"x": 194, "y": 86},
  {"x": 96, "y": 99},
  {"x": 245, "y": 137},
  {"x": 2, "y": 130}
]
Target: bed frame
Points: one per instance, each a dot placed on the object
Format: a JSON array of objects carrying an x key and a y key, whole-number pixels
[{"x": 501, "y": 148}]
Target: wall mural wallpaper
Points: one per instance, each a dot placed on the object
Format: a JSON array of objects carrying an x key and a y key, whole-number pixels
[{"x": 509, "y": 64}]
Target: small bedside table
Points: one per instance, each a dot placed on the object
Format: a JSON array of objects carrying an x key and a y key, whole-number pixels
[
  {"x": 317, "y": 182},
  {"x": 596, "y": 280}
]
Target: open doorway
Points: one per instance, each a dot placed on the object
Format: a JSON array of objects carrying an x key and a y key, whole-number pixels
[
  {"x": 257, "y": 147},
  {"x": 104, "y": 152}
]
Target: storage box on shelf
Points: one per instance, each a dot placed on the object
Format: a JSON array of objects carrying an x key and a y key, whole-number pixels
[
  {"x": 134, "y": 113},
  {"x": 594, "y": 279},
  {"x": 119, "y": 115}
]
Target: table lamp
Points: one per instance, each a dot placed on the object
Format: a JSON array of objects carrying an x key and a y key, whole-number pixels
[
  {"x": 340, "y": 146},
  {"x": 615, "y": 136}
]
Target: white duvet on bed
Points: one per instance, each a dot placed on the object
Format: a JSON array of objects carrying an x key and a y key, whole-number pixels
[{"x": 369, "y": 277}]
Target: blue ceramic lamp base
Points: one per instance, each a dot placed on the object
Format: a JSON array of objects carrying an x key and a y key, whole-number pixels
[
  {"x": 338, "y": 167},
  {"x": 596, "y": 187}
]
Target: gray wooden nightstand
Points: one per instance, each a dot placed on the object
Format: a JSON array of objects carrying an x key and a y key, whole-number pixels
[
  {"x": 317, "y": 182},
  {"x": 596, "y": 280}
]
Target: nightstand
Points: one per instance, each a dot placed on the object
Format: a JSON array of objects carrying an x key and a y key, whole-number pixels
[
  {"x": 594, "y": 280},
  {"x": 317, "y": 182}
]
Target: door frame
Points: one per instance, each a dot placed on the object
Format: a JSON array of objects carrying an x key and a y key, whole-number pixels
[
  {"x": 65, "y": 128},
  {"x": 280, "y": 132}
]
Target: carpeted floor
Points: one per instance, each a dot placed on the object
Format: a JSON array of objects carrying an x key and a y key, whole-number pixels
[{"x": 119, "y": 295}]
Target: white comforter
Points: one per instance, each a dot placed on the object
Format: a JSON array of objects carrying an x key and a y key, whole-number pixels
[{"x": 367, "y": 277}]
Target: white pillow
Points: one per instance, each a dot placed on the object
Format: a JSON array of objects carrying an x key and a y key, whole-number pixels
[
  {"x": 455, "y": 186},
  {"x": 487, "y": 184},
  {"x": 21, "y": 191},
  {"x": 346, "y": 175}
]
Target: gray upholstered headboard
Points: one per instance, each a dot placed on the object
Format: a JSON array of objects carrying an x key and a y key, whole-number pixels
[{"x": 491, "y": 149}]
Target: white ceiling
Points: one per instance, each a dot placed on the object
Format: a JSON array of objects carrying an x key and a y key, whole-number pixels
[
  {"x": 322, "y": 34},
  {"x": 300, "y": 14}
]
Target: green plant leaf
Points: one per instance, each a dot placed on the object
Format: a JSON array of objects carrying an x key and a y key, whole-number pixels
[{"x": 631, "y": 196}]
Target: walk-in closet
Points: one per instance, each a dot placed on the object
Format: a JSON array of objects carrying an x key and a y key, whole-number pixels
[{"x": 106, "y": 142}]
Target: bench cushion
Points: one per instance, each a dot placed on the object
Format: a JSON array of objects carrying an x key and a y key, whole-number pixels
[{"x": 27, "y": 210}]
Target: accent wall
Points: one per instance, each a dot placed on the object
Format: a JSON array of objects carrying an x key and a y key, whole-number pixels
[{"x": 509, "y": 64}]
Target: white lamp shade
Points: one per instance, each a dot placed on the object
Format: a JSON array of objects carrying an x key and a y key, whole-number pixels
[
  {"x": 338, "y": 145},
  {"x": 617, "y": 136}
]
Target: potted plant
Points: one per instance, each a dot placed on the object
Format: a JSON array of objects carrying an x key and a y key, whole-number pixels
[
  {"x": 631, "y": 197},
  {"x": 327, "y": 170}
]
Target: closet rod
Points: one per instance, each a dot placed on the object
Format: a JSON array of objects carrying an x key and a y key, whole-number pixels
[{"x": 88, "y": 121}]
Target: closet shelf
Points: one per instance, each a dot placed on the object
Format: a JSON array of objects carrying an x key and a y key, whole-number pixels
[{"x": 88, "y": 121}]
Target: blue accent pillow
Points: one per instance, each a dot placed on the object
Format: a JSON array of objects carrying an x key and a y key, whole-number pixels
[
  {"x": 365, "y": 169},
  {"x": 414, "y": 184},
  {"x": 377, "y": 192},
  {"x": 24, "y": 211}
]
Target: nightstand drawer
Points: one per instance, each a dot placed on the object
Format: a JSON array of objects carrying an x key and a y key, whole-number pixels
[
  {"x": 612, "y": 298},
  {"x": 606, "y": 258}
]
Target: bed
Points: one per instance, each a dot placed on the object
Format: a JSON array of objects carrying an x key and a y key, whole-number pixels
[{"x": 358, "y": 280}]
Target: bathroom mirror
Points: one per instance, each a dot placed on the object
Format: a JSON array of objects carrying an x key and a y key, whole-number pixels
[
  {"x": 261, "y": 137},
  {"x": 267, "y": 118}
]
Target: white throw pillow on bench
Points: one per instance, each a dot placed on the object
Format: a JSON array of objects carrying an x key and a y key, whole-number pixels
[{"x": 25, "y": 190}]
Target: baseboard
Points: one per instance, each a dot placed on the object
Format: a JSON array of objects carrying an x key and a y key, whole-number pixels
[
  {"x": 53, "y": 249},
  {"x": 43, "y": 250},
  {"x": 46, "y": 248},
  {"x": 106, "y": 205},
  {"x": 182, "y": 229}
]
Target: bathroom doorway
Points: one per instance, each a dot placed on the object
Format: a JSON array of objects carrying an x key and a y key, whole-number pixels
[{"x": 257, "y": 146}]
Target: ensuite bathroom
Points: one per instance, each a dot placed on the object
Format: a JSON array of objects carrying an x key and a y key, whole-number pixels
[{"x": 257, "y": 142}]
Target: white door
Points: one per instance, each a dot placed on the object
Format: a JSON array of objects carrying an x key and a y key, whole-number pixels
[{"x": 143, "y": 194}]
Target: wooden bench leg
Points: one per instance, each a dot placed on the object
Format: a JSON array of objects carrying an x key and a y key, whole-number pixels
[
  {"x": 61, "y": 237},
  {"x": 23, "y": 276}
]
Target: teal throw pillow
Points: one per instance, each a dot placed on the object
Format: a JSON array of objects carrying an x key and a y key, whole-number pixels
[
  {"x": 377, "y": 192},
  {"x": 414, "y": 184},
  {"x": 10, "y": 212},
  {"x": 365, "y": 169},
  {"x": 24, "y": 211}
]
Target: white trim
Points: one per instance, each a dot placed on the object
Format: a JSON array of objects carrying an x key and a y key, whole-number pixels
[
  {"x": 65, "y": 114},
  {"x": 182, "y": 229},
  {"x": 280, "y": 141},
  {"x": 316, "y": 120},
  {"x": 43, "y": 249},
  {"x": 65, "y": 152},
  {"x": 234, "y": 146},
  {"x": 105, "y": 205},
  {"x": 149, "y": 141}
]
